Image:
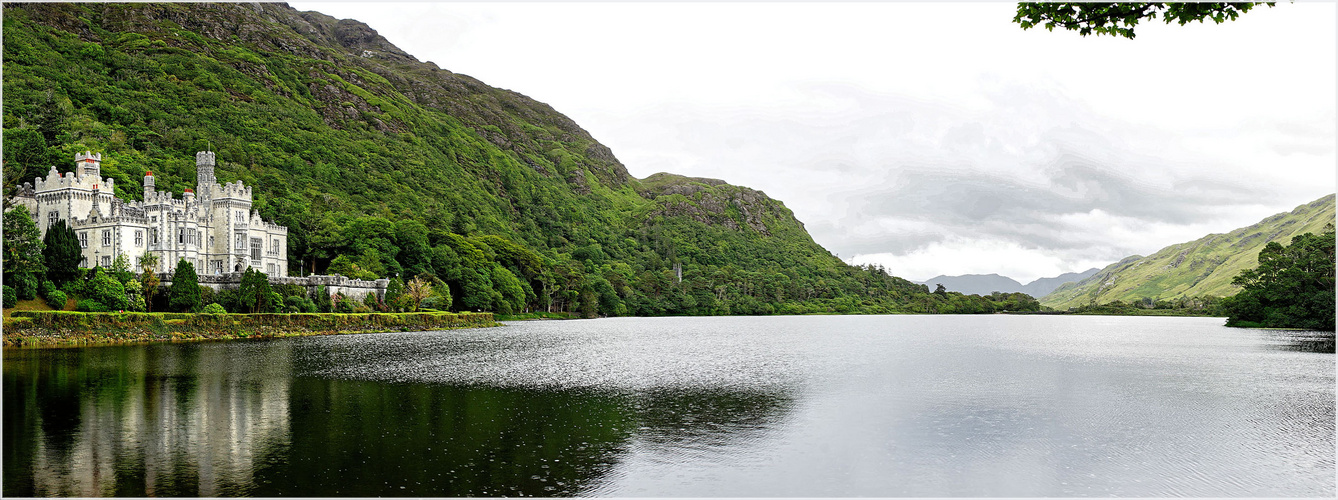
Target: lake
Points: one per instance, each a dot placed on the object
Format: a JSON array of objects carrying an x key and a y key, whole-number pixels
[{"x": 733, "y": 406}]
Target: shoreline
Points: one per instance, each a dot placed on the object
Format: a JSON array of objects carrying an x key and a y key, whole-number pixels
[{"x": 34, "y": 329}]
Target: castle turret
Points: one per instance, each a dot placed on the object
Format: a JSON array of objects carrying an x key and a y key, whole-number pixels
[
  {"x": 148, "y": 185},
  {"x": 204, "y": 169},
  {"x": 88, "y": 164}
]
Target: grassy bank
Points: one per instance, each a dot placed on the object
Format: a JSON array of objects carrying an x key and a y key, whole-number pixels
[
  {"x": 50, "y": 328},
  {"x": 536, "y": 315}
]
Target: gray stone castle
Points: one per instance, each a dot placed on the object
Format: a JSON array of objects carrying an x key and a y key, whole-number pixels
[{"x": 213, "y": 226}]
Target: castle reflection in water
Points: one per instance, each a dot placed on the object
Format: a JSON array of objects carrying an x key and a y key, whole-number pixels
[{"x": 177, "y": 421}]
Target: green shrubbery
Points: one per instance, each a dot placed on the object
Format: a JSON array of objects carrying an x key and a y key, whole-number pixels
[
  {"x": 56, "y": 299},
  {"x": 11, "y": 297},
  {"x": 213, "y": 308}
]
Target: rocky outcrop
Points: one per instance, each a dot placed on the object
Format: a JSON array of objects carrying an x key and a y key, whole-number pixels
[{"x": 713, "y": 202}]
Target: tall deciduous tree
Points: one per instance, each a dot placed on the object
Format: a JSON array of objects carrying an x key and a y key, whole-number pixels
[
  {"x": 1119, "y": 19},
  {"x": 417, "y": 289},
  {"x": 255, "y": 291},
  {"x": 24, "y": 266},
  {"x": 184, "y": 294}
]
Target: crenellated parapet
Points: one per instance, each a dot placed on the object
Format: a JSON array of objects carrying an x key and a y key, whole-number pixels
[
  {"x": 56, "y": 181},
  {"x": 235, "y": 190},
  {"x": 271, "y": 227}
]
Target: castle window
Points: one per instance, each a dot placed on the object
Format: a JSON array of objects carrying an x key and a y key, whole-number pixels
[
  {"x": 256, "y": 244},
  {"x": 181, "y": 235},
  {"x": 83, "y": 239},
  {"x": 106, "y": 237},
  {"x": 241, "y": 243},
  {"x": 106, "y": 261},
  {"x": 155, "y": 236},
  {"x": 83, "y": 262},
  {"x": 139, "y": 238},
  {"x": 52, "y": 217},
  {"x": 269, "y": 269}
]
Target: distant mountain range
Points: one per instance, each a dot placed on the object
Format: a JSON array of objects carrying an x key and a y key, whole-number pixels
[
  {"x": 984, "y": 284},
  {"x": 1201, "y": 267}
]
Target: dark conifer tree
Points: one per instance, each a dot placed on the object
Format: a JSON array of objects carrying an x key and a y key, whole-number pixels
[
  {"x": 184, "y": 294},
  {"x": 62, "y": 253}
]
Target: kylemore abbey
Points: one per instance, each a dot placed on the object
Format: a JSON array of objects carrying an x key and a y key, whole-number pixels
[{"x": 213, "y": 227}]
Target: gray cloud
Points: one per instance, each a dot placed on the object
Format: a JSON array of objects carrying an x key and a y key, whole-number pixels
[{"x": 873, "y": 173}]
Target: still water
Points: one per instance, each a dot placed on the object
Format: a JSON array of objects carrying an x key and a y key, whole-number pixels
[{"x": 757, "y": 406}]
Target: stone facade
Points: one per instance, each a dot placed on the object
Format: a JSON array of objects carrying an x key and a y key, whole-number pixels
[{"x": 213, "y": 226}]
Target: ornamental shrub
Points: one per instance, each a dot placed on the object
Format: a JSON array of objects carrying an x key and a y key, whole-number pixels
[
  {"x": 137, "y": 304},
  {"x": 104, "y": 289},
  {"x": 322, "y": 299},
  {"x": 56, "y": 299},
  {"x": 90, "y": 305},
  {"x": 11, "y": 297},
  {"x": 214, "y": 308},
  {"x": 342, "y": 304},
  {"x": 46, "y": 288}
]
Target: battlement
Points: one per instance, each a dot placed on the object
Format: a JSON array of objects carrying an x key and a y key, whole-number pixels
[
  {"x": 203, "y": 158},
  {"x": 235, "y": 190},
  {"x": 270, "y": 227},
  {"x": 156, "y": 197},
  {"x": 88, "y": 156},
  {"x": 123, "y": 218},
  {"x": 54, "y": 180}
]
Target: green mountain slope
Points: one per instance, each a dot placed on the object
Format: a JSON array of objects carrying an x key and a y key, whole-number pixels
[
  {"x": 390, "y": 166},
  {"x": 1198, "y": 268}
]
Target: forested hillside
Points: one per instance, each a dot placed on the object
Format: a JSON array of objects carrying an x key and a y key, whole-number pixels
[
  {"x": 381, "y": 165},
  {"x": 1200, "y": 268}
]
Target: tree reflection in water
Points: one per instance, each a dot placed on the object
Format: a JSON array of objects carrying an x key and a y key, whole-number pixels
[{"x": 236, "y": 419}]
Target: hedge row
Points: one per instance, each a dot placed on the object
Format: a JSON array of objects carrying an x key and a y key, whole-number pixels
[{"x": 70, "y": 327}]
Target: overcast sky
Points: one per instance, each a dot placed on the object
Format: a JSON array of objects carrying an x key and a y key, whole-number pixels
[{"x": 930, "y": 138}]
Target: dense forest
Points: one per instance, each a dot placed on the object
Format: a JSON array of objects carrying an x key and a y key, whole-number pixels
[{"x": 384, "y": 166}]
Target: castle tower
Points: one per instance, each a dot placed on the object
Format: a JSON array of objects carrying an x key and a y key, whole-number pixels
[
  {"x": 148, "y": 185},
  {"x": 204, "y": 169},
  {"x": 89, "y": 164}
]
